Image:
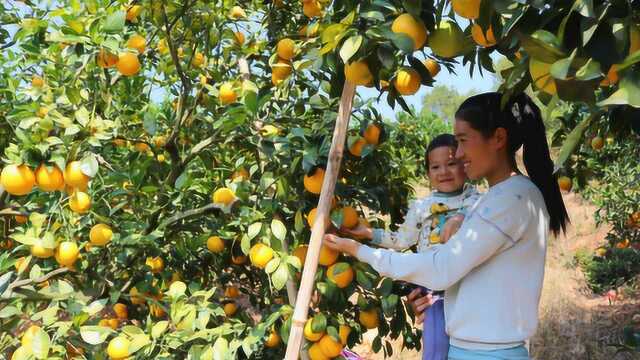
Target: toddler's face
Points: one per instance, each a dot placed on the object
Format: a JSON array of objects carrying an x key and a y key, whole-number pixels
[{"x": 445, "y": 172}]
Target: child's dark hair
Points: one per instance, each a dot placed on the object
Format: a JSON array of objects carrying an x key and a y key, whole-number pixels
[
  {"x": 439, "y": 141},
  {"x": 521, "y": 119}
]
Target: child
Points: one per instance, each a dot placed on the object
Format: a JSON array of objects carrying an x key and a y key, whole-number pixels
[{"x": 423, "y": 225}]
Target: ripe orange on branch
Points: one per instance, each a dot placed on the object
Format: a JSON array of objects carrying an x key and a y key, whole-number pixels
[
  {"x": 358, "y": 73},
  {"x": 49, "y": 180},
  {"x": 372, "y": 134},
  {"x": 313, "y": 183},
  {"x": 260, "y": 255},
  {"x": 17, "y": 179},
  {"x": 215, "y": 244},
  {"x": 407, "y": 81},
  {"x": 224, "y": 196},
  {"x": 286, "y": 49},
  {"x": 67, "y": 253},
  {"x": 128, "y": 64},
  {"x": 100, "y": 235},
  {"x": 412, "y": 27},
  {"x": 340, "y": 274}
]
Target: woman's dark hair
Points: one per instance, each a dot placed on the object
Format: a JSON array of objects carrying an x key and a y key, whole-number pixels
[
  {"x": 521, "y": 119},
  {"x": 441, "y": 140}
]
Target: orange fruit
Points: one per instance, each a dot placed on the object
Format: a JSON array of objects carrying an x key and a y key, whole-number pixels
[
  {"x": 623, "y": 244},
  {"x": 280, "y": 71},
  {"x": 137, "y": 42},
  {"x": 224, "y": 196},
  {"x": 369, "y": 318},
  {"x": 349, "y": 217},
  {"x": 110, "y": 323},
  {"x": 327, "y": 256},
  {"x": 301, "y": 253},
  {"x": 230, "y": 308},
  {"x": 162, "y": 47},
  {"x": 198, "y": 59},
  {"x": 482, "y": 38},
  {"x": 601, "y": 251},
  {"x": 342, "y": 279},
  {"x": 128, "y": 64},
  {"x": 356, "y": 148},
  {"x": 231, "y": 292},
  {"x": 343, "y": 332},
  {"x": 80, "y": 202},
  {"x": 155, "y": 263},
  {"x": 311, "y": 8},
  {"x": 412, "y": 27},
  {"x": 315, "y": 353},
  {"x": 142, "y": 147},
  {"x": 597, "y": 143},
  {"x": 447, "y": 39},
  {"x": 260, "y": 255},
  {"x": 238, "y": 37},
  {"x": 17, "y": 179},
  {"x": 135, "y": 297},
  {"x": 37, "y": 81},
  {"x": 309, "y": 334},
  {"x": 121, "y": 311},
  {"x": 74, "y": 177},
  {"x": 273, "y": 340},
  {"x": 49, "y": 181},
  {"x": 42, "y": 112},
  {"x": 286, "y": 49},
  {"x": 432, "y": 66},
  {"x": 67, "y": 253},
  {"x": 106, "y": 59},
  {"x": 237, "y": 13},
  {"x": 311, "y": 218},
  {"x": 407, "y": 81},
  {"x": 118, "y": 348},
  {"x": 133, "y": 12},
  {"x": 469, "y": 9},
  {"x": 21, "y": 219},
  {"x": 215, "y": 244},
  {"x": 358, "y": 73},
  {"x": 329, "y": 346},
  {"x": 156, "y": 310},
  {"x": 160, "y": 141},
  {"x": 100, "y": 235},
  {"x": 226, "y": 94},
  {"x": 612, "y": 77},
  {"x": 313, "y": 183},
  {"x": 565, "y": 183},
  {"x": 241, "y": 174},
  {"x": 372, "y": 134},
  {"x": 119, "y": 142},
  {"x": 239, "y": 259},
  {"x": 41, "y": 252}
]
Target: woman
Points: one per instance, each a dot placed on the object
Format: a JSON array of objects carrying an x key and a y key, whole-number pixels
[{"x": 492, "y": 268}]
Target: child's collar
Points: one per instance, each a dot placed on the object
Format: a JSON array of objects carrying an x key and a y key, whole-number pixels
[{"x": 448, "y": 194}]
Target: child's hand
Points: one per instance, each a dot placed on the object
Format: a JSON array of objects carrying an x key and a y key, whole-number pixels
[
  {"x": 419, "y": 303},
  {"x": 451, "y": 227}
]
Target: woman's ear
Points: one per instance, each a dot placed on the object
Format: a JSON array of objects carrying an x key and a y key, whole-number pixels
[{"x": 500, "y": 139}]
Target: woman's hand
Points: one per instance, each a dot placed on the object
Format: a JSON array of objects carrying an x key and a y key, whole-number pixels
[
  {"x": 359, "y": 232},
  {"x": 451, "y": 227},
  {"x": 419, "y": 303},
  {"x": 347, "y": 246}
]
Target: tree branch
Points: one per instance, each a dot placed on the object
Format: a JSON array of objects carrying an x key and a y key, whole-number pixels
[
  {"x": 43, "y": 278},
  {"x": 189, "y": 213}
]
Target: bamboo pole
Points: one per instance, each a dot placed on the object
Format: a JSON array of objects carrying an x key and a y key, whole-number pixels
[{"x": 318, "y": 230}]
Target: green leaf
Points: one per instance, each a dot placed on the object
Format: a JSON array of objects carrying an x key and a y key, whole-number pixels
[
  {"x": 82, "y": 116},
  {"x": 89, "y": 165},
  {"x": 159, "y": 329},
  {"x": 95, "y": 307},
  {"x": 254, "y": 230},
  {"x": 138, "y": 342},
  {"x": 114, "y": 23},
  {"x": 9, "y": 311},
  {"x": 177, "y": 289},
  {"x": 319, "y": 323},
  {"x": 573, "y": 140},
  {"x": 278, "y": 229},
  {"x": 41, "y": 344},
  {"x": 542, "y": 45},
  {"x": 589, "y": 71},
  {"x": 350, "y": 47},
  {"x": 272, "y": 265},
  {"x": 94, "y": 335},
  {"x": 220, "y": 349},
  {"x": 280, "y": 277},
  {"x": 628, "y": 92}
]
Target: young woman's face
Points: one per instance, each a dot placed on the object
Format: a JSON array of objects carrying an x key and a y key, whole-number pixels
[
  {"x": 445, "y": 172},
  {"x": 474, "y": 150}
]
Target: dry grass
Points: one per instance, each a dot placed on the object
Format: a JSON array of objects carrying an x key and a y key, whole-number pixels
[{"x": 574, "y": 322}]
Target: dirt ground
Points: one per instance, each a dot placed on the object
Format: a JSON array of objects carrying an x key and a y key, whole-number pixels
[{"x": 574, "y": 322}]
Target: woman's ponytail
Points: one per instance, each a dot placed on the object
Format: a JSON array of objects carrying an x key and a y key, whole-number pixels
[{"x": 526, "y": 117}]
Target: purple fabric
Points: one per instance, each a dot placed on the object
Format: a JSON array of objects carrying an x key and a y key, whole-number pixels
[
  {"x": 350, "y": 355},
  {"x": 435, "y": 341}
]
